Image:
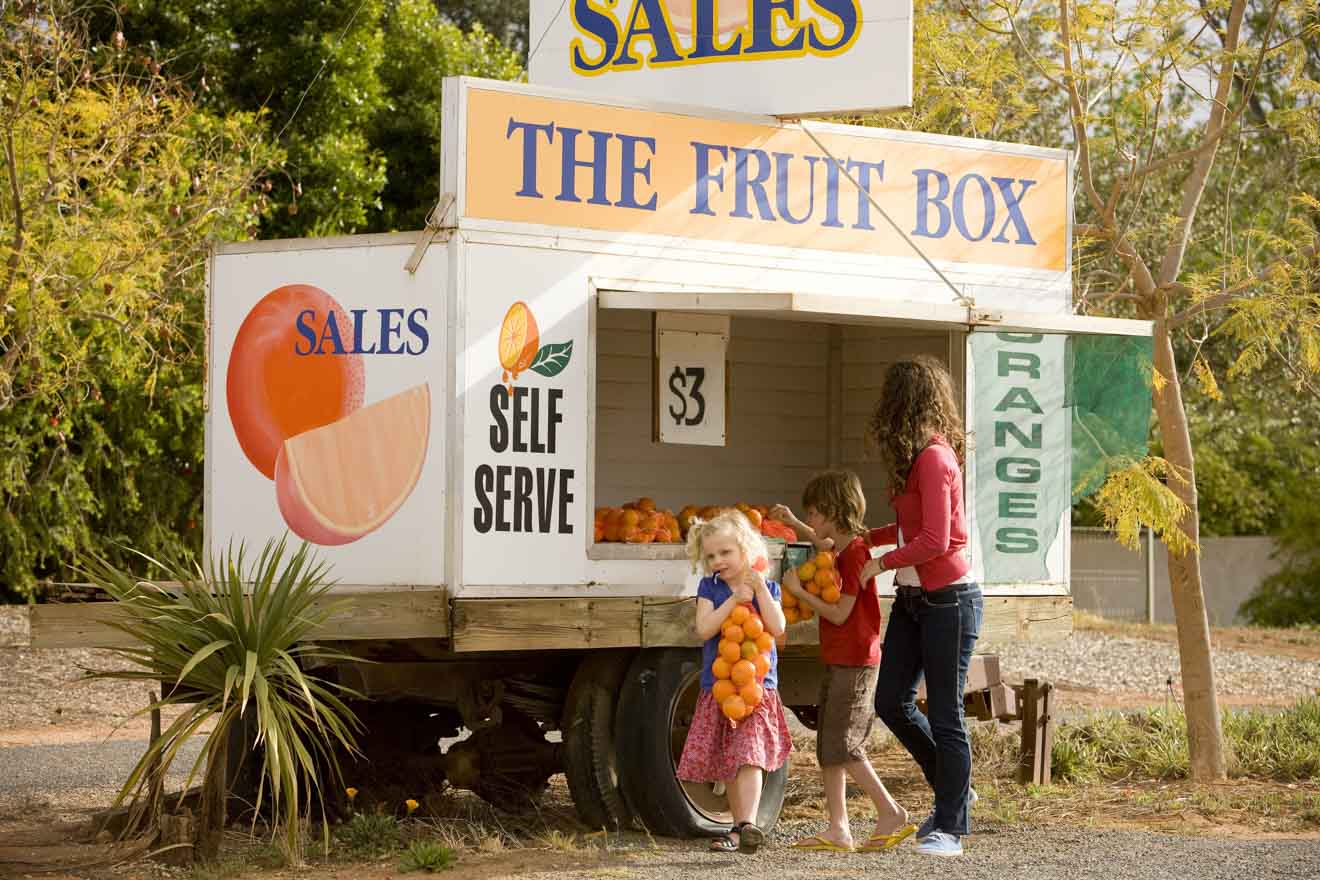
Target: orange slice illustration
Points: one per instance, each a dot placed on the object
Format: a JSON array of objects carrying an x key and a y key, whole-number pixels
[
  {"x": 519, "y": 340},
  {"x": 342, "y": 481}
]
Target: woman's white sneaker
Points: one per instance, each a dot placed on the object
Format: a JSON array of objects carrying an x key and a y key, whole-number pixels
[{"x": 940, "y": 843}]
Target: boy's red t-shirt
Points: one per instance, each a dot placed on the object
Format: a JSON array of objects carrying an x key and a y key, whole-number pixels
[{"x": 855, "y": 642}]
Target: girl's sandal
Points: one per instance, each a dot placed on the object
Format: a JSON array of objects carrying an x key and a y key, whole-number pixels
[
  {"x": 725, "y": 843},
  {"x": 750, "y": 838}
]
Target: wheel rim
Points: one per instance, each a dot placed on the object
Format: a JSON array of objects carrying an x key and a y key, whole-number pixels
[{"x": 706, "y": 798}]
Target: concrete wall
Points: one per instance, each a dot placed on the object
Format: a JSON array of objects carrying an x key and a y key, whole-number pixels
[{"x": 1110, "y": 580}]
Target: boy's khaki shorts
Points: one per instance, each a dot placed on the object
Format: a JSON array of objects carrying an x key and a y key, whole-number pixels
[{"x": 847, "y": 711}]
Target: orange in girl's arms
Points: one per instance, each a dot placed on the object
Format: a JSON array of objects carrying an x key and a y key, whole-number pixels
[
  {"x": 730, "y": 651},
  {"x": 723, "y": 689},
  {"x": 751, "y": 694},
  {"x": 824, "y": 559},
  {"x": 749, "y": 650},
  {"x": 734, "y": 633},
  {"x": 831, "y": 595},
  {"x": 753, "y": 627},
  {"x": 806, "y": 572},
  {"x": 743, "y": 672},
  {"x": 825, "y": 577},
  {"x": 788, "y": 600},
  {"x": 721, "y": 668},
  {"x": 740, "y": 614},
  {"x": 734, "y": 708},
  {"x": 762, "y": 664},
  {"x": 764, "y": 642},
  {"x": 791, "y": 614}
]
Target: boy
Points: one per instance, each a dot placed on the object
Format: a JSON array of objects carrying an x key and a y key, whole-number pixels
[{"x": 834, "y": 507}]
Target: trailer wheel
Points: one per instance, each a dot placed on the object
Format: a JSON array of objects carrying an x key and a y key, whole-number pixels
[
  {"x": 655, "y": 710},
  {"x": 590, "y": 764}
]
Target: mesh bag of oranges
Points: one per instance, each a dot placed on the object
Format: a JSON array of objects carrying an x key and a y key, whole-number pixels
[
  {"x": 741, "y": 663},
  {"x": 819, "y": 578}
]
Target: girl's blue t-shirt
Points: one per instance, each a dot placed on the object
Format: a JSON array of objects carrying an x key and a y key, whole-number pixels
[{"x": 717, "y": 591}]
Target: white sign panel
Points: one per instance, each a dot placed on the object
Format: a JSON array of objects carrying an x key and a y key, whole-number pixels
[
  {"x": 777, "y": 57},
  {"x": 525, "y": 364},
  {"x": 691, "y": 399},
  {"x": 327, "y": 408}
]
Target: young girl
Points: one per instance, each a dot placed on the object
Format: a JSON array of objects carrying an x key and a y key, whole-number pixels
[
  {"x": 717, "y": 750},
  {"x": 936, "y": 615}
]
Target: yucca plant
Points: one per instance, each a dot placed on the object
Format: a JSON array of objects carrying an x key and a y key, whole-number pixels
[{"x": 227, "y": 640}]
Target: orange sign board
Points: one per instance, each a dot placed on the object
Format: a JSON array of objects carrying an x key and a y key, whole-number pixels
[{"x": 556, "y": 162}]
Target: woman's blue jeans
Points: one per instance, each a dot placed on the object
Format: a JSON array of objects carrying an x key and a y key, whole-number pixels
[{"x": 932, "y": 633}]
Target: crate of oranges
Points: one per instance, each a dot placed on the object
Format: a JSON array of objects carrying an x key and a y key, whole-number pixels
[{"x": 741, "y": 663}]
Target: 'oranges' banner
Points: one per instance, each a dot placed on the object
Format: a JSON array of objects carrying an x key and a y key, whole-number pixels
[{"x": 563, "y": 163}]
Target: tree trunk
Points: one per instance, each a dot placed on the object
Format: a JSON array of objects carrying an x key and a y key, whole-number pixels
[
  {"x": 211, "y": 821},
  {"x": 1204, "y": 735}
]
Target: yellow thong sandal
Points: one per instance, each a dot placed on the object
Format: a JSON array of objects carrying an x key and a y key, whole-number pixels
[
  {"x": 817, "y": 843},
  {"x": 886, "y": 842}
]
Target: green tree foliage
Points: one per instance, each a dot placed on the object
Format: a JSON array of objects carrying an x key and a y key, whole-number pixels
[
  {"x": 114, "y": 182},
  {"x": 351, "y": 92},
  {"x": 421, "y": 49},
  {"x": 1292, "y": 596}
]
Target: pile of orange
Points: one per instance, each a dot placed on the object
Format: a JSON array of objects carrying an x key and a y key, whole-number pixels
[
  {"x": 741, "y": 663},
  {"x": 819, "y": 578},
  {"x": 637, "y": 522}
]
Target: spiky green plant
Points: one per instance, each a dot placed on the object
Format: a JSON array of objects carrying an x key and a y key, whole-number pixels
[{"x": 231, "y": 639}]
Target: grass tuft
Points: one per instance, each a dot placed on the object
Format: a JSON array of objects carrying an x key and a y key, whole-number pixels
[
  {"x": 427, "y": 855},
  {"x": 370, "y": 834}
]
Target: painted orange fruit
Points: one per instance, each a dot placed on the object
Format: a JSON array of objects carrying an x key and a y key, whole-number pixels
[
  {"x": 339, "y": 482},
  {"x": 519, "y": 340},
  {"x": 278, "y": 383}
]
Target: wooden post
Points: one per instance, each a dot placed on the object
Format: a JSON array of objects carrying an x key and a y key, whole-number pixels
[
  {"x": 1027, "y": 754},
  {"x": 1034, "y": 762}
]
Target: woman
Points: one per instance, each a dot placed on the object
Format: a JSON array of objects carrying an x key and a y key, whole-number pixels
[{"x": 936, "y": 615}]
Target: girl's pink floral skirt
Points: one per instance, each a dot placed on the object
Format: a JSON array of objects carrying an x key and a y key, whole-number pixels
[{"x": 716, "y": 748}]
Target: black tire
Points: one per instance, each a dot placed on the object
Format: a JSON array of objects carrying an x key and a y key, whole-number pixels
[
  {"x": 590, "y": 764},
  {"x": 654, "y": 713}
]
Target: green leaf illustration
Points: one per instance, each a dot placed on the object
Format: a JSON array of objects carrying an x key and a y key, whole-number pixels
[{"x": 552, "y": 358}]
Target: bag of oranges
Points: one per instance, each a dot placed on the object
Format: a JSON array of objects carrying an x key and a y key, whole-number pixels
[{"x": 741, "y": 663}]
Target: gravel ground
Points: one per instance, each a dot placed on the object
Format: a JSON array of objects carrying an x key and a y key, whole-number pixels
[
  {"x": 1040, "y": 855},
  {"x": 1106, "y": 663}
]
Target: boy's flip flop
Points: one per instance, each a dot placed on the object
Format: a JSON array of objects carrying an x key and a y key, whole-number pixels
[
  {"x": 817, "y": 843},
  {"x": 886, "y": 842}
]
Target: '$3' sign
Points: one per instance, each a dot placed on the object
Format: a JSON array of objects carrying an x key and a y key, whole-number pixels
[{"x": 685, "y": 386}]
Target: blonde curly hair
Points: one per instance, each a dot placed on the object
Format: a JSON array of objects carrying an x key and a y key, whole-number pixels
[{"x": 731, "y": 523}]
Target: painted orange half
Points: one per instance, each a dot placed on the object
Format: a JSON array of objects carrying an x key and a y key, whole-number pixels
[
  {"x": 342, "y": 481},
  {"x": 275, "y": 393}
]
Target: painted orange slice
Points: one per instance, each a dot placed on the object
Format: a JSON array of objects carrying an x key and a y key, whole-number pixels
[
  {"x": 340, "y": 482},
  {"x": 519, "y": 339}
]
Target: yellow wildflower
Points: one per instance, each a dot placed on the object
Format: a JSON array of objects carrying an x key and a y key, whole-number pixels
[
  {"x": 351, "y": 792},
  {"x": 411, "y": 805}
]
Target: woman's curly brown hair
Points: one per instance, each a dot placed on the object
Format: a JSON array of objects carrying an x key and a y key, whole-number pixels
[{"x": 917, "y": 401}]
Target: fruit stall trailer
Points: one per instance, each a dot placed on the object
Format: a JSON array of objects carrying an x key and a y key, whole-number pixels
[{"x": 616, "y": 304}]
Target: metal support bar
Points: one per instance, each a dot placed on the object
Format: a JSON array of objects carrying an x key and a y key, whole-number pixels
[
  {"x": 963, "y": 299},
  {"x": 435, "y": 223}
]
